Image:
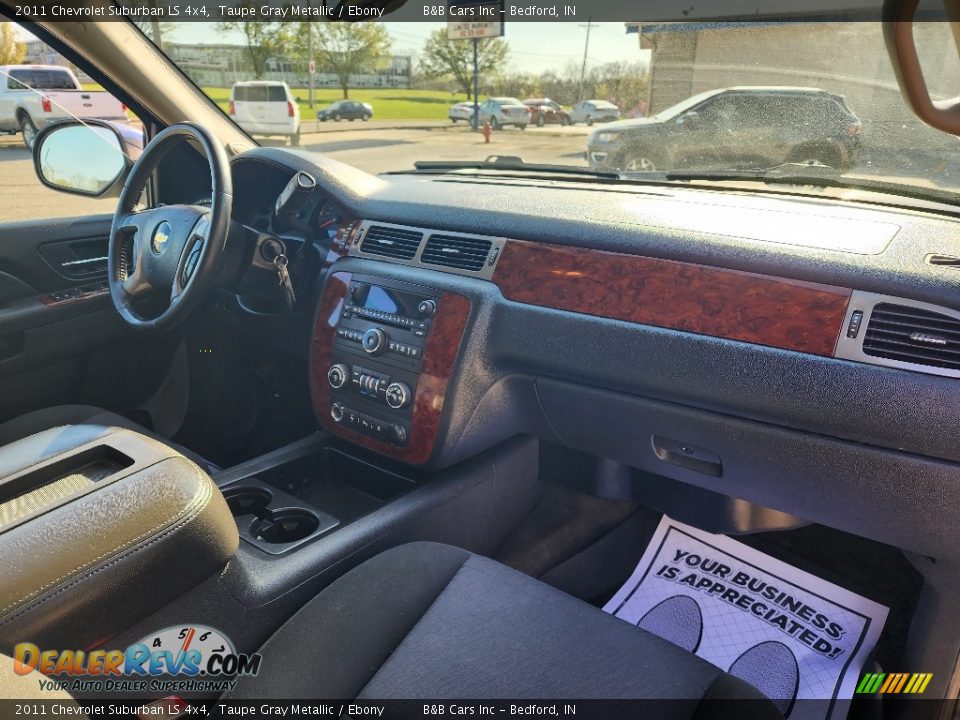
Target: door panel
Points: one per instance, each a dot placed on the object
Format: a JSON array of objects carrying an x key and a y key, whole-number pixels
[{"x": 58, "y": 327}]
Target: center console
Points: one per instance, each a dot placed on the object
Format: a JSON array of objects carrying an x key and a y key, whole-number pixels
[
  {"x": 99, "y": 527},
  {"x": 383, "y": 353}
]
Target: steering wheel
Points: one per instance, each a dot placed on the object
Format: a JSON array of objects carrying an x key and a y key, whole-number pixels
[{"x": 172, "y": 249}]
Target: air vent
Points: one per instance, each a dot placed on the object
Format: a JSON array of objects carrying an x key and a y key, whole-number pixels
[
  {"x": 391, "y": 242},
  {"x": 450, "y": 251},
  {"x": 908, "y": 334}
]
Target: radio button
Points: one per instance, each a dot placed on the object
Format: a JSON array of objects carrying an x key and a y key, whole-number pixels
[
  {"x": 427, "y": 308},
  {"x": 374, "y": 341},
  {"x": 336, "y": 412}
]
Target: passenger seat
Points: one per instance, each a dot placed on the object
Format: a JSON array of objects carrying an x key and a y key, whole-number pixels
[{"x": 430, "y": 621}]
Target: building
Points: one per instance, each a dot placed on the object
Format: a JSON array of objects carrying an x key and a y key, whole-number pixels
[{"x": 224, "y": 64}]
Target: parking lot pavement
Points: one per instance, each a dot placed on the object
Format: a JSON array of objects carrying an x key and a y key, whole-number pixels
[
  {"x": 387, "y": 151},
  {"x": 308, "y": 126}
]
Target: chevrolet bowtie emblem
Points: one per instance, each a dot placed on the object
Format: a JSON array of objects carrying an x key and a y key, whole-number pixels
[{"x": 160, "y": 237}]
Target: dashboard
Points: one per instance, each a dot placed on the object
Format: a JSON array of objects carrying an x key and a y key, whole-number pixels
[{"x": 801, "y": 353}]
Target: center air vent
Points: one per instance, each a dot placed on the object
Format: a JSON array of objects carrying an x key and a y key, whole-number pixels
[
  {"x": 912, "y": 335},
  {"x": 391, "y": 242},
  {"x": 452, "y": 251}
]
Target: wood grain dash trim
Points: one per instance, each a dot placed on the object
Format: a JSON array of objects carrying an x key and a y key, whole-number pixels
[{"x": 789, "y": 314}]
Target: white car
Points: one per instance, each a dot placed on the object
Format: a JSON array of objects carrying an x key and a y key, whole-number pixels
[
  {"x": 591, "y": 111},
  {"x": 265, "y": 107},
  {"x": 461, "y": 111},
  {"x": 33, "y": 96},
  {"x": 503, "y": 111}
]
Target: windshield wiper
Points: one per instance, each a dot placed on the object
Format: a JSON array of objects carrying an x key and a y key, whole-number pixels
[
  {"x": 510, "y": 163},
  {"x": 806, "y": 174}
]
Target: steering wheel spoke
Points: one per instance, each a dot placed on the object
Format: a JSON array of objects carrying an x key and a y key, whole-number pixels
[{"x": 136, "y": 285}]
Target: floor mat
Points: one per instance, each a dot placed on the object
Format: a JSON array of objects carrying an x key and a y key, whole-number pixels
[{"x": 791, "y": 634}]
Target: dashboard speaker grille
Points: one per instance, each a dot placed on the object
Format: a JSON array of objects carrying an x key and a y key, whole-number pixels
[
  {"x": 456, "y": 252},
  {"x": 912, "y": 335},
  {"x": 391, "y": 242}
]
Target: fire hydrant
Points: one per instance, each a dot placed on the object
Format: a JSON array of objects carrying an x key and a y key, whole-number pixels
[{"x": 486, "y": 130}]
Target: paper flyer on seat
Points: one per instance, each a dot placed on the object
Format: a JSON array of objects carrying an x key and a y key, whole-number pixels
[{"x": 792, "y": 635}]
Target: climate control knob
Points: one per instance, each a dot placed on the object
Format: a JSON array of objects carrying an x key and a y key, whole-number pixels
[
  {"x": 374, "y": 341},
  {"x": 337, "y": 376},
  {"x": 398, "y": 395},
  {"x": 336, "y": 412}
]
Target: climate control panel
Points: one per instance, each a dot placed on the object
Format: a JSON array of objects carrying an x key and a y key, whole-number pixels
[{"x": 379, "y": 343}]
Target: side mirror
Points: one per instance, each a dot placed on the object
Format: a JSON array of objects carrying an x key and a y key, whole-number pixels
[
  {"x": 688, "y": 117},
  {"x": 90, "y": 158}
]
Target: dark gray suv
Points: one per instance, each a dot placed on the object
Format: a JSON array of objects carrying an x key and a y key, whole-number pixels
[{"x": 741, "y": 127}]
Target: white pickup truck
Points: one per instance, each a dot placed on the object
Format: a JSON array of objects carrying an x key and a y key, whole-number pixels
[{"x": 33, "y": 96}]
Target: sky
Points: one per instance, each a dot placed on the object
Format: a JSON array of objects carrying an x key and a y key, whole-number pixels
[{"x": 534, "y": 47}]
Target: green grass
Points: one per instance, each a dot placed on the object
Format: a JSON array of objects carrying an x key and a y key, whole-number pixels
[{"x": 389, "y": 104}]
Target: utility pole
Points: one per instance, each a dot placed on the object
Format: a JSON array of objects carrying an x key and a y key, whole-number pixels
[
  {"x": 311, "y": 68},
  {"x": 476, "y": 84},
  {"x": 586, "y": 47}
]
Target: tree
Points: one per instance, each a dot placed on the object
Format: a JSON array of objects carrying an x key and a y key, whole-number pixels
[
  {"x": 156, "y": 30},
  {"x": 264, "y": 40},
  {"x": 346, "y": 49},
  {"x": 12, "y": 51},
  {"x": 443, "y": 57}
]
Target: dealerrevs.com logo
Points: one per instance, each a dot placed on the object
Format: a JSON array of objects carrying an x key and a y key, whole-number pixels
[{"x": 201, "y": 657}]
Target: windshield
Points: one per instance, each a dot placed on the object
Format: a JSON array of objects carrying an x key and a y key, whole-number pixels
[{"x": 765, "y": 94}]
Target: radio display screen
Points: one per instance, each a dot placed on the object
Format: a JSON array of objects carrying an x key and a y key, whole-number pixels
[{"x": 390, "y": 301}]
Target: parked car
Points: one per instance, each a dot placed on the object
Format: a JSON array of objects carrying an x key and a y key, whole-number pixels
[
  {"x": 346, "y": 110},
  {"x": 591, "y": 111},
  {"x": 503, "y": 111},
  {"x": 461, "y": 111},
  {"x": 265, "y": 107},
  {"x": 734, "y": 127},
  {"x": 33, "y": 96},
  {"x": 545, "y": 111}
]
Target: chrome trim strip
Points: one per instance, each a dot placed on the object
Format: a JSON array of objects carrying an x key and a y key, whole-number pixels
[{"x": 87, "y": 261}]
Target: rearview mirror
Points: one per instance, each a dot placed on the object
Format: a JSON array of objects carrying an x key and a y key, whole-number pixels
[
  {"x": 88, "y": 158},
  {"x": 898, "y": 20}
]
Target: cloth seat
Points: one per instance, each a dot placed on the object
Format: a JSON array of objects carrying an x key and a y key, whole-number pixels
[
  {"x": 58, "y": 415},
  {"x": 430, "y": 621}
]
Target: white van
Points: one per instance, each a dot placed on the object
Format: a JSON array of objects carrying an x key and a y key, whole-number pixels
[{"x": 265, "y": 107}]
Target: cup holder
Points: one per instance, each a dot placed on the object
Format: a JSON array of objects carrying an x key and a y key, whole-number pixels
[
  {"x": 272, "y": 520},
  {"x": 247, "y": 500},
  {"x": 284, "y": 526}
]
